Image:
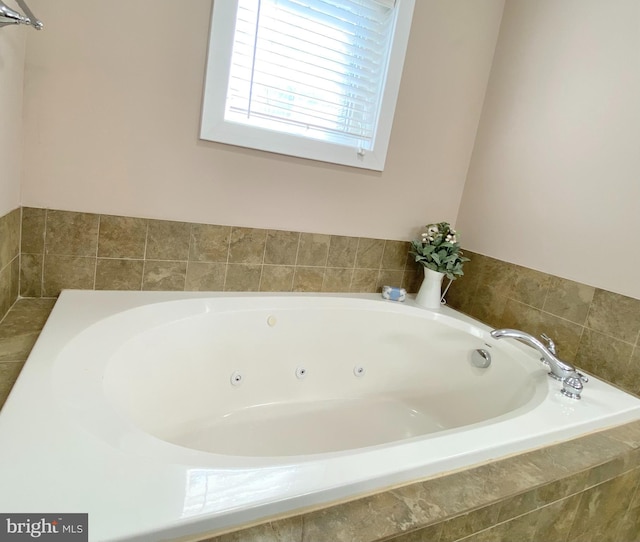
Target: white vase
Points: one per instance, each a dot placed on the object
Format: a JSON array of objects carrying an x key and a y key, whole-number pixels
[{"x": 430, "y": 291}]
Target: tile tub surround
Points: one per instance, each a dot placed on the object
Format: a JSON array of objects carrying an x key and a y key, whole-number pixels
[
  {"x": 581, "y": 490},
  {"x": 18, "y": 333},
  {"x": 9, "y": 260},
  {"x": 596, "y": 330},
  {"x": 63, "y": 249}
]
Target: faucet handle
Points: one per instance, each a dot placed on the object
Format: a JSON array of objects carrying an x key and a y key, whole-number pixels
[
  {"x": 551, "y": 345},
  {"x": 572, "y": 386},
  {"x": 584, "y": 378}
]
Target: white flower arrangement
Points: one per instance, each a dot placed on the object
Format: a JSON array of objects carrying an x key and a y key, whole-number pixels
[{"x": 438, "y": 249}]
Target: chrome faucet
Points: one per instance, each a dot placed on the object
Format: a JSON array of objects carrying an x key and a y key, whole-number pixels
[
  {"x": 9, "y": 16},
  {"x": 572, "y": 380}
]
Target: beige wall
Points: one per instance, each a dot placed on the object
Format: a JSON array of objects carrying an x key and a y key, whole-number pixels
[
  {"x": 12, "y": 47},
  {"x": 112, "y": 113},
  {"x": 554, "y": 181}
]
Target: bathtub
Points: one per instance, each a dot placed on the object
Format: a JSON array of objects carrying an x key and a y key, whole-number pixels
[{"x": 169, "y": 414}]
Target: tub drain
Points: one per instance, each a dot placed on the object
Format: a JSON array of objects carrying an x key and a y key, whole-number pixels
[{"x": 481, "y": 358}]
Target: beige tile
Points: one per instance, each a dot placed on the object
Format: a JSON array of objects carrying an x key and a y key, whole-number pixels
[
  {"x": 205, "y": 276},
  {"x": 354, "y": 521},
  {"x": 114, "y": 274},
  {"x": 599, "y": 505},
  {"x": 71, "y": 234},
  {"x": 628, "y": 434},
  {"x": 495, "y": 275},
  {"x": 313, "y": 250},
  {"x": 569, "y": 299},
  {"x": 426, "y": 534},
  {"x": 17, "y": 347},
  {"x": 247, "y": 245},
  {"x": 243, "y": 277},
  {"x": 469, "y": 523},
  {"x": 281, "y": 247},
  {"x": 164, "y": 275},
  {"x": 446, "y": 500},
  {"x": 553, "y": 522},
  {"x": 9, "y": 237},
  {"x": 520, "y": 529},
  {"x": 520, "y": 316},
  {"x": 394, "y": 255},
  {"x": 283, "y": 530},
  {"x": 461, "y": 294},
  {"x": 630, "y": 377},
  {"x": 342, "y": 251},
  {"x": 561, "y": 488},
  {"x": 369, "y": 254},
  {"x": 122, "y": 237},
  {"x": 603, "y": 356},
  {"x": 67, "y": 272},
  {"x": 606, "y": 533},
  {"x": 337, "y": 279},
  {"x": 5, "y": 291},
  {"x": 209, "y": 243},
  {"x": 15, "y": 278},
  {"x": 629, "y": 528},
  {"x": 308, "y": 279},
  {"x": 26, "y": 316},
  {"x": 608, "y": 470},
  {"x": 536, "y": 498},
  {"x": 494, "y": 288},
  {"x": 498, "y": 481},
  {"x": 21, "y": 327},
  {"x": 411, "y": 280},
  {"x": 488, "y": 306},
  {"x": 31, "y": 275},
  {"x": 167, "y": 240},
  {"x": 364, "y": 281},
  {"x": 565, "y": 334},
  {"x": 33, "y": 224},
  {"x": 635, "y": 501},
  {"x": 277, "y": 278},
  {"x": 8, "y": 375},
  {"x": 615, "y": 315},
  {"x": 530, "y": 286},
  {"x": 572, "y": 457}
]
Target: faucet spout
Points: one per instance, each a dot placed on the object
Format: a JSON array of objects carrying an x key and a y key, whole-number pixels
[{"x": 560, "y": 370}]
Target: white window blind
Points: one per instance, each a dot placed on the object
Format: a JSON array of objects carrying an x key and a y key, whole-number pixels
[
  {"x": 315, "y": 79},
  {"x": 312, "y": 67}
]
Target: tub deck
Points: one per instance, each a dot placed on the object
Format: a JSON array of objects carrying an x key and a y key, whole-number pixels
[{"x": 108, "y": 490}]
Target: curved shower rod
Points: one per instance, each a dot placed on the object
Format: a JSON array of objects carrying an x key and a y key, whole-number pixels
[{"x": 10, "y": 16}]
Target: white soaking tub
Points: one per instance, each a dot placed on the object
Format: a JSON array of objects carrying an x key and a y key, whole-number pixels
[{"x": 168, "y": 414}]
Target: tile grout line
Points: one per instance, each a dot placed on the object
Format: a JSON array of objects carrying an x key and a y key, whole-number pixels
[
  {"x": 44, "y": 252},
  {"x": 264, "y": 252},
  {"x": 355, "y": 261},
  {"x": 95, "y": 267},
  {"x": 144, "y": 255},
  {"x": 295, "y": 262},
  {"x": 20, "y": 254},
  {"x": 226, "y": 263},
  {"x": 186, "y": 270},
  {"x": 583, "y": 326}
]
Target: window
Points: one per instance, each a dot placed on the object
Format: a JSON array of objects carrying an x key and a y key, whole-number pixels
[{"x": 310, "y": 78}]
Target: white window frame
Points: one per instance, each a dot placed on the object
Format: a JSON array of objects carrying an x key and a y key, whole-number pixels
[{"x": 215, "y": 128}]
